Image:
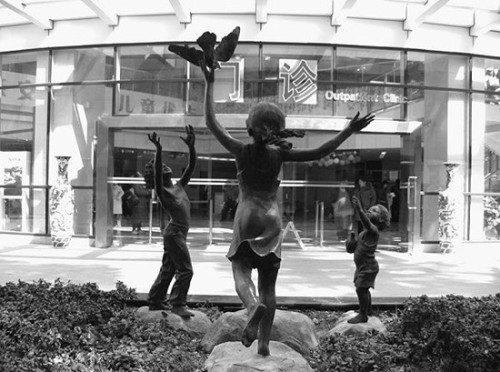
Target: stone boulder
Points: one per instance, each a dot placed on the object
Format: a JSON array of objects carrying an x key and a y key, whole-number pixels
[
  {"x": 291, "y": 328},
  {"x": 374, "y": 325},
  {"x": 234, "y": 357},
  {"x": 196, "y": 325}
]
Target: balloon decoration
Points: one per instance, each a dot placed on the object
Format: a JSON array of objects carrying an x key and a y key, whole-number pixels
[{"x": 338, "y": 158}]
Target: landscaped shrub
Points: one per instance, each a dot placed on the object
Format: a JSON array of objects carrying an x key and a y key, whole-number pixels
[
  {"x": 69, "y": 327},
  {"x": 456, "y": 332},
  {"x": 447, "y": 334},
  {"x": 348, "y": 353},
  {"x": 64, "y": 327}
]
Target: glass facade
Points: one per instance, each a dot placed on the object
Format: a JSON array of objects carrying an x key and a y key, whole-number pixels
[{"x": 431, "y": 108}]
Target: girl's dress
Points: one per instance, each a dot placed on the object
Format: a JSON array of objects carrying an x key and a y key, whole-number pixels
[{"x": 257, "y": 222}]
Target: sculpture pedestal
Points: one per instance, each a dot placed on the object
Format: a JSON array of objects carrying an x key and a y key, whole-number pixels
[
  {"x": 373, "y": 325},
  {"x": 234, "y": 357},
  {"x": 294, "y": 329}
]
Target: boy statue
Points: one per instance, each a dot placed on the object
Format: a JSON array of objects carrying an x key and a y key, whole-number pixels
[{"x": 176, "y": 259}]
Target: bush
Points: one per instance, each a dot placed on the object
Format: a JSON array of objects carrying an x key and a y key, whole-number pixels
[
  {"x": 447, "y": 334},
  {"x": 342, "y": 353},
  {"x": 69, "y": 327},
  {"x": 456, "y": 332},
  {"x": 66, "y": 327}
]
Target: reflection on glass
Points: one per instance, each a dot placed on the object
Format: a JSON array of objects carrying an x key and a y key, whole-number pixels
[
  {"x": 156, "y": 85},
  {"x": 21, "y": 208},
  {"x": 22, "y": 159},
  {"x": 82, "y": 65},
  {"x": 24, "y": 68},
  {"x": 368, "y": 65},
  {"x": 75, "y": 110},
  {"x": 436, "y": 69},
  {"x": 248, "y": 97}
]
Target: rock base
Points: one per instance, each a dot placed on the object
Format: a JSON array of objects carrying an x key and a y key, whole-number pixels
[
  {"x": 291, "y": 328},
  {"x": 196, "y": 325},
  {"x": 374, "y": 325},
  {"x": 234, "y": 357}
]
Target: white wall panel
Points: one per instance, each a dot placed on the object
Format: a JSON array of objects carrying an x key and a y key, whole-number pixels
[
  {"x": 370, "y": 33},
  {"x": 487, "y": 44},
  {"x": 21, "y": 37},
  {"x": 440, "y": 38},
  {"x": 279, "y": 28}
]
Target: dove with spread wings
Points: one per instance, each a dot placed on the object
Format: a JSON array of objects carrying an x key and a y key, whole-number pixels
[{"x": 210, "y": 54}]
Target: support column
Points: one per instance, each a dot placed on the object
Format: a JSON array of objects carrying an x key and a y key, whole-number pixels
[
  {"x": 40, "y": 132},
  {"x": 444, "y": 142},
  {"x": 103, "y": 201}
]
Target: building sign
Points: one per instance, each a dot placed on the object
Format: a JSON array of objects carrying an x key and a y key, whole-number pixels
[
  {"x": 299, "y": 81},
  {"x": 229, "y": 83},
  {"x": 228, "y": 88},
  {"x": 364, "y": 97}
]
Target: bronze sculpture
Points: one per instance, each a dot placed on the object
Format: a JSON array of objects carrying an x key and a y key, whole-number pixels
[
  {"x": 176, "y": 258},
  {"x": 257, "y": 225},
  {"x": 364, "y": 246}
]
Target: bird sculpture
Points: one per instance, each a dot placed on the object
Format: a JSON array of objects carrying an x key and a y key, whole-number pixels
[{"x": 210, "y": 54}]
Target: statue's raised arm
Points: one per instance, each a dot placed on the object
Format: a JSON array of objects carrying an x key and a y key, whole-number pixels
[
  {"x": 209, "y": 59},
  {"x": 355, "y": 125}
]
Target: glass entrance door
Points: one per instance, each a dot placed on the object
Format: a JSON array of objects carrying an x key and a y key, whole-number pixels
[
  {"x": 314, "y": 197},
  {"x": 142, "y": 219}
]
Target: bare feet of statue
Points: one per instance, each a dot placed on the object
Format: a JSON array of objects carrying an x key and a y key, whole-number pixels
[
  {"x": 360, "y": 318},
  {"x": 182, "y": 311},
  {"x": 252, "y": 327}
]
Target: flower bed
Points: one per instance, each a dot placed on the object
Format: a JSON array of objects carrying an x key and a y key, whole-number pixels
[{"x": 68, "y": 327}]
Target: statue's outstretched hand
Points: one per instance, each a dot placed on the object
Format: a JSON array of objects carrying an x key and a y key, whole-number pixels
[
  {"x": 190, "y": 138},
  {"x": 358, "y": 123},
  {"x": 155, "y": 139}
]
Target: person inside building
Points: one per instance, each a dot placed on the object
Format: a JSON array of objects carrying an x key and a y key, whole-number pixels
[
  {"x": 140, "y": 208},
  {"x": 230, "y": 202},
  {"x": 395, "y": 193},
  {"x": 117, "y": 204},
  {"x": 342, "y": 210},
  {"x": 257, "y": 224},
  {"x": 176, "y": 259},
  {"x": 385, "y": 195}
]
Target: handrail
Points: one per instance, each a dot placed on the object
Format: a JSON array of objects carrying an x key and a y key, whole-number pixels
[{"x": 234, "y": 182}]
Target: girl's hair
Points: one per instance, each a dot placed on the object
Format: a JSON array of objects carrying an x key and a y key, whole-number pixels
[
  {"x": 149, "y": 173},
  {"x": 269, "y": 115},
  {"x": 383, "y": 219}
]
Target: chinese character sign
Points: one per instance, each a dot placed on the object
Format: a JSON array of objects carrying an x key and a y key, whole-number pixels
[
  {"x": 298, "y": 81},
  {"x": 228, "y": 87}
]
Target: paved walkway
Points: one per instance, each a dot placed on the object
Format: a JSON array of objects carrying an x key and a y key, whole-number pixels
[{"x": 308, "y": 276}]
